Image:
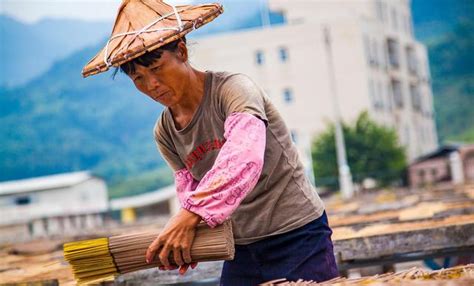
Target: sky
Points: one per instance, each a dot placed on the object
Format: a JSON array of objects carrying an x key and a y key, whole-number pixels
[{"x": 30, "y": 11}]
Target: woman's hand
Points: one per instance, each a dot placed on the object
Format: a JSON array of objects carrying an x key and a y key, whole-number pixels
[
  {"x": 182, "y": 268},
  {"x": 176, "y": 237}
]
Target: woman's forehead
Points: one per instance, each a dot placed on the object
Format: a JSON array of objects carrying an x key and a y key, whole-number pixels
[{"x": 150, "y": 62}]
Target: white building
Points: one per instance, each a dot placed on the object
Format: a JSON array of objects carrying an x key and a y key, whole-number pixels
[
  {"x": 51, "y": 205},
  {"x": 379, "y": 67},
  {"x": 148, "y": 205}
]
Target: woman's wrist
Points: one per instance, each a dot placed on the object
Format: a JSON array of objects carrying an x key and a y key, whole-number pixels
[{"x": 190, "y": 217}]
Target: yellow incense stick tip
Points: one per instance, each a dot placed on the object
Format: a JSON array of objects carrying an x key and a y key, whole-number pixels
[{"x": 90, "y": 260}]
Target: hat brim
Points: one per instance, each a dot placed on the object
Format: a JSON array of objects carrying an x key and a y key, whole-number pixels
[{"x": 133, "y": 16}]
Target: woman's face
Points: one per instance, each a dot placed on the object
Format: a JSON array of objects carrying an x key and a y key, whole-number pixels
[{"x": 165, "y": 79}]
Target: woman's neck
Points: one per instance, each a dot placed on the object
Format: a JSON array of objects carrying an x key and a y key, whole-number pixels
[{"x": 193, "y": 94}]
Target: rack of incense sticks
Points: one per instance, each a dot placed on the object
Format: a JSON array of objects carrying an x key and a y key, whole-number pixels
[
  {"x": 102, "y": 259},
  {"x": 459, "y": 275}
]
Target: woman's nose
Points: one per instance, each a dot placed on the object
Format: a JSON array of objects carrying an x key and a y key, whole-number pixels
[{"x": 153, "y": 83}]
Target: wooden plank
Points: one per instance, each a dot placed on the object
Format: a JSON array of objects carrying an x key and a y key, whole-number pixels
[
  {"x": 34, "y": 283},
  {"x": 451, "y": 209},
  {"x": 343, "y": 266},
  {"x": 405, "y": 242}
]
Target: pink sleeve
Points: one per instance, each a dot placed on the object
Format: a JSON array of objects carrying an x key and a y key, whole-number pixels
[
  {"x": 235, "y": 172},
  {"x": 185, "y": 184}
]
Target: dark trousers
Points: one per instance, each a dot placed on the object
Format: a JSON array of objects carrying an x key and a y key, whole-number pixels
[{"x": 304, "y": 253}]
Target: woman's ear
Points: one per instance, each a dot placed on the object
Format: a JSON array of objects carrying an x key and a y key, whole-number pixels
[{"x": 182, "y": 51}]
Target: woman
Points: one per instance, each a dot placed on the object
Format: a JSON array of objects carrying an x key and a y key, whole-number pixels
[{"x": 233, "y": 158}]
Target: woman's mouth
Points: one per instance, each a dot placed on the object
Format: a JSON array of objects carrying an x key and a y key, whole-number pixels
[{"x": 161, "y": 95}]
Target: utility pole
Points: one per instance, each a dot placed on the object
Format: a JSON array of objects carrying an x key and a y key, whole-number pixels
[{"x": 345, "y": 177}]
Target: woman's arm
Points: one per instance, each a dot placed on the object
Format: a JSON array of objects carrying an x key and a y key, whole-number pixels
[
  {"x": 235, "y": 172},
  {"x": 178, "y": 234}
]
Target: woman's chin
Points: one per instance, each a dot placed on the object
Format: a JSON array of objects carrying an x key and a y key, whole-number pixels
[{"x": 163, "y": 101}]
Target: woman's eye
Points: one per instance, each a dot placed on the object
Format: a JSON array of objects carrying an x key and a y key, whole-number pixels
[{"x": 155, "y": 69}]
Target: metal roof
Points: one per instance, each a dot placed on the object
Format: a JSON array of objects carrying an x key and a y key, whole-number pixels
[
  {"x": 440, "y": 152},
  {"x": 145, "y": 199},
  {"x": 44, "y": 183}
]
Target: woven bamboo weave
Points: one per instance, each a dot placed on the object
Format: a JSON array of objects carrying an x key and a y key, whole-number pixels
[{"x": 148, "y": 25}]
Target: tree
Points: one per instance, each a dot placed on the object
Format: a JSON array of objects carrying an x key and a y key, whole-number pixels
[{"x": 373, "y": 151}]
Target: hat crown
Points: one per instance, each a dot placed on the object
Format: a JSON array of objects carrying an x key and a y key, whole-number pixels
[
  {"x": 145, "y": 25},
  {"x": 139, "y": 13}
]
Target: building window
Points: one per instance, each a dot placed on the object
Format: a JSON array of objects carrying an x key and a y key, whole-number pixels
[
  {"x": 283, "y": 52},
  {"x": 415, "y": 97},
  {"x": 20, "y": 201},
  {"x": 382, "y": 56},
  {"x": 259, "y": 57},
  {"x": 376, "y": 94},
  {"x": 380, "y": 95},
  {"x": 412, "y": 62},
  {"x": 375, "y": 54},
  {"x": 397, "y": 93},
  {"x": 389, "y": 96},
  {"x": 288, "y": 95},
  {"x": 393, "y": 53},
  {"x": 372, "y": 52}
]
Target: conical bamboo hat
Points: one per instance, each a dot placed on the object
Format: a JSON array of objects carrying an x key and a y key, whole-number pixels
[{"x": 145, "y": 25}]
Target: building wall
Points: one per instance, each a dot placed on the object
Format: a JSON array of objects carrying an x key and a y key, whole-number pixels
[
  {"x": 360, "y": 31},
  {"x": 429, "y": 172},
  {"x": 84, "y": 198},
  {"x": 467, "y": 157},
  {"x": 440, "y": 168},
  {"x": 304, "y": 74},
  {"x": 14, "y": 233}
]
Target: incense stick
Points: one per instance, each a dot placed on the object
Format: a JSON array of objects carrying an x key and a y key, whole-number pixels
[{"x": 97, "y": 260}]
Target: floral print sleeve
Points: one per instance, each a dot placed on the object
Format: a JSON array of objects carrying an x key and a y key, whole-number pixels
[
  {"x": 234, "y": 174},
  {"x": 185, "y": 183}
]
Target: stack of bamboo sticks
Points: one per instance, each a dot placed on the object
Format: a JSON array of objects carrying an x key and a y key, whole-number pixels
[
  {"x": 459, "y": 275},
  {"x": 102, "y": 259}
]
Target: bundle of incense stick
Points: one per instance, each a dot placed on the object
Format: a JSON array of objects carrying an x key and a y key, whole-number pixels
[{"x": 102, "y": 259}]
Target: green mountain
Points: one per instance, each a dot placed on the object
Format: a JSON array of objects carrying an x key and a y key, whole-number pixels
[
  {"x": 60, "y": 122},
  {"x": 28, "y": 50},
  {"x": 452, "y": 65},
  {"x": 433, "y": 18},
  {"x": 447, "y": 28}
]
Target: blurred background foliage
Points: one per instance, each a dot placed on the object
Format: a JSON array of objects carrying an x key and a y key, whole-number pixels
[{"x": 366, "y": 144}]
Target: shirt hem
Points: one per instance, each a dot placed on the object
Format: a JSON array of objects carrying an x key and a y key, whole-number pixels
[{"x": 245, "y": 241}]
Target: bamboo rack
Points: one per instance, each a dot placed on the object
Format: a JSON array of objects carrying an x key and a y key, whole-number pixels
[
  {"x": 459, "y": 275},
  {"x": 96, "y": 260}
]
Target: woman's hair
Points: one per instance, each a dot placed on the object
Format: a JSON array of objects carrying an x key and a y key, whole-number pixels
[{"x": 149, "y": 57}]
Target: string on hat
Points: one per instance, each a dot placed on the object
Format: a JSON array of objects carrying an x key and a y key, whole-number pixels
[{"x": 147, "y": 29}]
